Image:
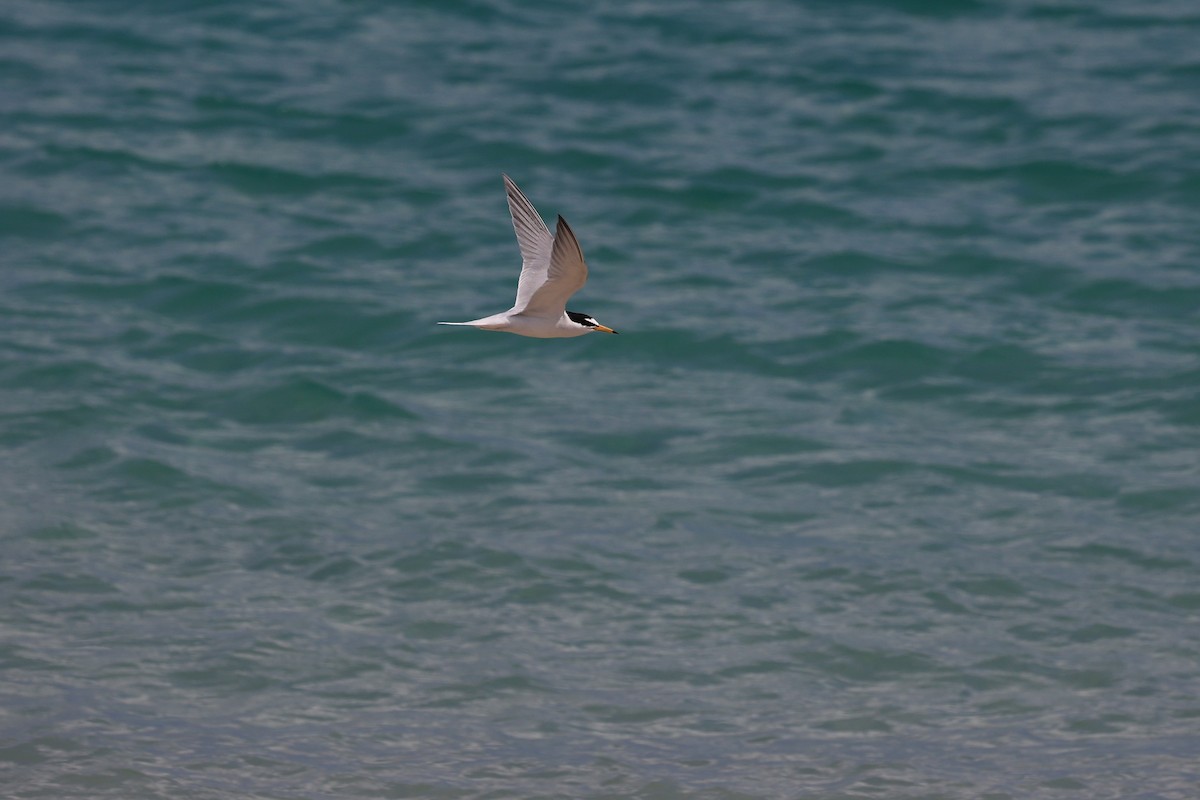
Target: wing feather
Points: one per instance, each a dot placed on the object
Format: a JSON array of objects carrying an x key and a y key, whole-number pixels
[
  {"x": 535, "y": 241},
  {"x": 566, "y": 275}
]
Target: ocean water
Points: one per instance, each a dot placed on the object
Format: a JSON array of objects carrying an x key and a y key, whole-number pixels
[{"x": 890, "y": 487}]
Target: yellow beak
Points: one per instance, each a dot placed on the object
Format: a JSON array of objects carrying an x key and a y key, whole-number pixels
[{"x": 602, "y": 328}]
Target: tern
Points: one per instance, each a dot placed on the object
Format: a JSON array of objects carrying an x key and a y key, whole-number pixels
[{"x": 552, "y": 269}]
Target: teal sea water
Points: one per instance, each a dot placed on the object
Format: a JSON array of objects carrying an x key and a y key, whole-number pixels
[{"x": 890, "y": 487}]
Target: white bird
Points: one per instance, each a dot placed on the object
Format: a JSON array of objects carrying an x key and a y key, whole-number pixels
[{"x": 552, "y": 269}]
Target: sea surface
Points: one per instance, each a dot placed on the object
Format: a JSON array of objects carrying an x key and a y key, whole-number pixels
[{"x": 889, "y": 488}]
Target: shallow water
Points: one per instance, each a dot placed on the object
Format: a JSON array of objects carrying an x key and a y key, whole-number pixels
[{"x": 888, "y": 488}]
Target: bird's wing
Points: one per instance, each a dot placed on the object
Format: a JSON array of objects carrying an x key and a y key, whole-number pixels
[
  {"x": 565, "y": 277},
  {"x": 535, "y": 241}
]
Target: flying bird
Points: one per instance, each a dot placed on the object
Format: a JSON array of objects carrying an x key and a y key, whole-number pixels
[{"x": 552, "y": 269}]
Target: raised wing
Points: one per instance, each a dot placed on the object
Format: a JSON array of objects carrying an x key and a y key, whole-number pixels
[
  {"x": 565, "y": 277},
  {"x": 535, "y": 241}
]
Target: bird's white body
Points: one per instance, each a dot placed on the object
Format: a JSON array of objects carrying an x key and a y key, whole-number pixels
[
  {"x": 525, "y": 325},
  {"x": 552, "y": 269}
]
